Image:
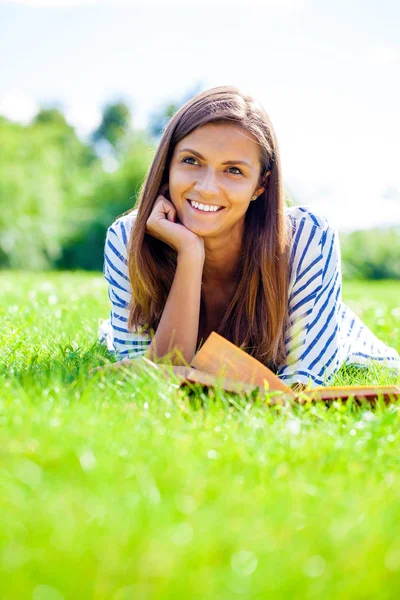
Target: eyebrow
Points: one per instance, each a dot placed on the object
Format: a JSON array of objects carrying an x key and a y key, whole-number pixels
[{"x": 226, "y": 162}]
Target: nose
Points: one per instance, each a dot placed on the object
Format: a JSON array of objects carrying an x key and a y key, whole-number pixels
[{"x": 207, "y": 183}]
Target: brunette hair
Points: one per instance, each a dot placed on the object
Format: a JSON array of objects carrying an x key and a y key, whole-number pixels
[{"x": 257, "y": 317}]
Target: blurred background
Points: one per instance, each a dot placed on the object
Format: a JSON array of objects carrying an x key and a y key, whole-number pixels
[{"x": 87, "y": 87}]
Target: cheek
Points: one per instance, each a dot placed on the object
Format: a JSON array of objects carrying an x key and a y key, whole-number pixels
[{"x": 179, "y": 179}]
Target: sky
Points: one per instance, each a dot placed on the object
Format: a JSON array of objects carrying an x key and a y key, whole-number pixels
[{"x": 326, "y": 72}]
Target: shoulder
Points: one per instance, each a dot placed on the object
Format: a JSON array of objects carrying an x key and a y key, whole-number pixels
[
  {"x": 309, "y": 230},
  {"x": 304, "y": 215},
  {"x": 315, "y": 247},
  {"x": 121, "y": 228},
  {"x": 117, "y": 236}
]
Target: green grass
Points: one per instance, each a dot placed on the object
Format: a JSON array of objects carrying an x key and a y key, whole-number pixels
[{"x": 123, "y": 486}]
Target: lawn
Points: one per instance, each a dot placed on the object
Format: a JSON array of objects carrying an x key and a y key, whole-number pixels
[{"x": 123, "y": 486}]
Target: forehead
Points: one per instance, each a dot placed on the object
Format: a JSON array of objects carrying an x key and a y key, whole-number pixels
[{"x": 223, "y": 138}]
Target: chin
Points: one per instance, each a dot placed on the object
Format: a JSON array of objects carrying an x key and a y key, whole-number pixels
[{"x": 201, "y": 231}]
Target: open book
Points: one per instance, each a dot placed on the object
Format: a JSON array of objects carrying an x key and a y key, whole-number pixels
[{"x": 219, "y": 362}]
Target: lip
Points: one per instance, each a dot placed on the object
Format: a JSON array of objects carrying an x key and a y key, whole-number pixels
[{"x": 213, "y": 212}]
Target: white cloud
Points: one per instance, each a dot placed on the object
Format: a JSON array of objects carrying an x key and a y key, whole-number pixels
[
  {"x": 18, "y": 106},
  {"x": 84, "y": 117},
  {"x": 279, "y": 5},
  {"x": 51, "y": 3},
  {"x": 384, "y": 56}
]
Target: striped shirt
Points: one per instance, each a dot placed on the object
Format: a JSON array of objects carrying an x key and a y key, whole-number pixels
[{"x": 323, "y": 332}]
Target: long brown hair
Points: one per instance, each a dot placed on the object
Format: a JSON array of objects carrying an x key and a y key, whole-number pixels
[{"x": 257, "y": 316}]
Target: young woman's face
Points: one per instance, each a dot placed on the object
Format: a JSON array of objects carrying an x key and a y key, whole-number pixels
[{"x": 208, "y": 167}]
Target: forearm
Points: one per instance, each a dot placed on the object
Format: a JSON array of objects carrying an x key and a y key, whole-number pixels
[{"x": 178, "y": 328}]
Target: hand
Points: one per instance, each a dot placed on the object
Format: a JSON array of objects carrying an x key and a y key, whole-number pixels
[{"x": 163, "y": 225}]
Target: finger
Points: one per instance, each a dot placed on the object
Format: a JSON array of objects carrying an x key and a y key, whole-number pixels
[
  {"x": 165, "y": 209},
  {"x": 171, "y": 214}
]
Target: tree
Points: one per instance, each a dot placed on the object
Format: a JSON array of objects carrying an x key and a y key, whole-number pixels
[
  {"x": 161, "y": 117},
  {"x": 115, "y": 125},
  {"x": 51, "y": 116},
  {"x": 47, "y": 178}
]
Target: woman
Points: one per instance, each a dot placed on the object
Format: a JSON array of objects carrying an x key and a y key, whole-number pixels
[{"x": 211, "y": 246}]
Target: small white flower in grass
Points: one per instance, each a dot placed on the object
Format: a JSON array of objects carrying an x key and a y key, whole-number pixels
[
  {"x": 46, "y": 286},
  {"x": 369, "y": 416},
  {"x": 167, "y": 415},
  {"x": 29, "y": 473},
  {"x": 88, "y": 460},
  {"x": 244, "y": 563},
  {"x": 314, "y": 566},
  {"x": 294, "y": 426},
  {"x": 186, "y": 504},
  {"x": 390, "y": 479},
  {"x": 213, "y": 454},
  {"x": 353, "y": 432},
  {"x": 182, "y": 535},
  {"x": 52, "y": 299},
  {"x": 146, "y": 406},
  {"x": 311, "y": 490},
  {"x": 390, "y": 437}
]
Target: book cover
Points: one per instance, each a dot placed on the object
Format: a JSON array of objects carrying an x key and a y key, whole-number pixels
[{"x": 219, "y": 362}]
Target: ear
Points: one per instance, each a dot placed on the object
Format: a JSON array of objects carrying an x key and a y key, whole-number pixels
[
  {"x": 257, "y": 193},
  {"x": 260, "y": 190},
  {"x": 265, "y": 178}
]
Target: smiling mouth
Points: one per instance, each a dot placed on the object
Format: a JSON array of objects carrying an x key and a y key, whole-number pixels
[{"x": 205, "y": 208}]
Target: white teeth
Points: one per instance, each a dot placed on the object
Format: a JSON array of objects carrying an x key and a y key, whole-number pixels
[{"x": 204, "y": 207}]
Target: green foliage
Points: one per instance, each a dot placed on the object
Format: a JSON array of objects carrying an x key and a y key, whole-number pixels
[
  {"x": 116, "y": 193},
  {"x": 115, "y": 124},
  {"x": 56, "y": 199},
  {"x": 161, "y": 117},
  {"x": 51, "y": 116},
  {"x": 47, "y": 179},
  {"x": 122, "y": 485},
  {"x": 372, "y": 254}
]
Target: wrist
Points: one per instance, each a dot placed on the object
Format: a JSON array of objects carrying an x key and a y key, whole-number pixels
[{"x": 192, "y": 253}]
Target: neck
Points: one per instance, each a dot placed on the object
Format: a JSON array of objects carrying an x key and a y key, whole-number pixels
[{"x": 222, "y": 257}]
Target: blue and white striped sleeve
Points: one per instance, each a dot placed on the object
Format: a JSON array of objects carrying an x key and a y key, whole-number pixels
[
  {"x": 126, "y": 343},
  {"x": 313, "y": 337}
]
